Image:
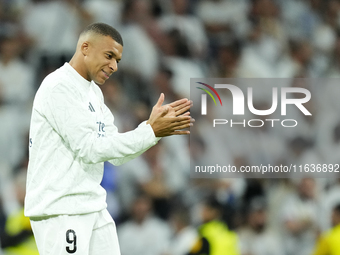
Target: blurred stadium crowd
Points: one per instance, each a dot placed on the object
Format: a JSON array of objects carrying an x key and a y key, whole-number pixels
[{"x": 158, "y": 208}]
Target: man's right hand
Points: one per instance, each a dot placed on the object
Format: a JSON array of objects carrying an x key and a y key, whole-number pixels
[{"x": 170, "y": 119}]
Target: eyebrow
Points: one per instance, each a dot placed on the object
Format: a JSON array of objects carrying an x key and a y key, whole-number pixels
[{"x": 111, "y": 52}]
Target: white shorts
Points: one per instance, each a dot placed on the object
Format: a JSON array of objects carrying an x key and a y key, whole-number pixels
[{"x": 86, "y": 234}]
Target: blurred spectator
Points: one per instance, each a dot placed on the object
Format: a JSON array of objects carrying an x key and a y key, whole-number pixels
[
  {"x": 162, "y": 83},
  {"x": 16, "y": 76},
  {"x": 255, "y": 237},
  {"x": 276, "y": 191},
  {"x": 298, "y": 62},
  {"x": 300, "y": 218},
  {"x": 221, "y": 17},
  {"x": 268, "y": 31},
  {"x": 303, "y": 153},
  {"x": 105, "y": 11},
  {"x": 266, "y": 145},
  {"x": 16, "y": 94},
  {"x": 184, "y": 234},
  {"x": 228, "y": 59},
  {"x": 140, "y": 52},
  {"x": 17, "y": 237},
  {"x": 328, "y": 138},
  {"x": 150, "y": 235},
  {"x": 54, "y": 27},
  {"x": 12, "y": 147},
  {"x": 329, "y": 200},
  {"x": 188, "y": 26},
  {"x": 178, "y": 59},
  {"x": 131, "y": 177},
  {"x": 267, "y": 41},
  {"x": 167, "y": 177},
  {"x": 117, "y": 100},
  {"x": 215, "y": 237},
  {"x": 157, "y": 175},
  {"x": 300, "y": 17},
  {"x": 324, "y": 37},
  {"x": 328, "y": 243}
]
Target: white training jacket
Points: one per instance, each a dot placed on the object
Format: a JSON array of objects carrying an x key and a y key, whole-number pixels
[{"x": 71, "y": 135}]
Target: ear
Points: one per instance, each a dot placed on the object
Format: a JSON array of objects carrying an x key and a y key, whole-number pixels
[{"x": 85, "y": 48}]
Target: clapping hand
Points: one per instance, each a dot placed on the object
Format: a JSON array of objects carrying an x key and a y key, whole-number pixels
[{"x": 170, "y": 119}]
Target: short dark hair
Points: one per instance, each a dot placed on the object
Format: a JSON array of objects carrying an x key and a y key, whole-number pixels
[
  {"x": 106, "y": 30},
  {"x": 213, "y": 203}
]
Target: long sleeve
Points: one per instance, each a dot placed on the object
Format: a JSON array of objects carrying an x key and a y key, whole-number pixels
[{"x": 90, "y": 135}]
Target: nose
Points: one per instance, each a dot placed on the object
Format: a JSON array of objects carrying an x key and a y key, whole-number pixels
[{"x": 113, "y": 65}]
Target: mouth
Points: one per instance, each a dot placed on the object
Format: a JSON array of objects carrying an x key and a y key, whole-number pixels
[{"x": 106, "y": 74}]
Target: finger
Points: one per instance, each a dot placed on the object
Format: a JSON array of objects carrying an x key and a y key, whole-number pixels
[
  {"x": 188, "y": 114},
  {"x": 183, "y": 110},
  {"x": 160, "y": 100},
  {"x": 176, "y": 121},
  {"x": 190, "y": 123},
  {"x": 181, "y": 125},
  {"x": 180, "y": 132},
  {"x": 179, "y": 102},
  {"x": 180, "y": 118},
  {"x": 186, "y": 126},
  {"x": 180, "y": 106}
]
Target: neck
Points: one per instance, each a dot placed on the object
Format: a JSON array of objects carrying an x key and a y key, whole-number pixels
[{"x": 79, "y": 67}]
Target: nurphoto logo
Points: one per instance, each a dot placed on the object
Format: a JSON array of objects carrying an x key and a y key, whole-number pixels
[{"x": 238, "y": 104}]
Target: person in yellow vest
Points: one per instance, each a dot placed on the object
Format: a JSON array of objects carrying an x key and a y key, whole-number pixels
[
  {"x": 215, "y": 236},
  {"x": 329, "y": 243},
  {"x": 17, "y": 237}
]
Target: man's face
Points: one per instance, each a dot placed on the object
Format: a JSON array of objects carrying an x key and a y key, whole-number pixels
[
  {"x": 208, "y": 213},
  {"x": 102, "y": 55}
]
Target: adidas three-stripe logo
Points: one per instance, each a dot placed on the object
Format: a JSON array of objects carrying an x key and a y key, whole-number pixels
[{"x": 91, "y": 107}]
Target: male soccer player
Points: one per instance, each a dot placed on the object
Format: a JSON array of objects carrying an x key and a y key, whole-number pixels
[{"x": 71, "y": 135}]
